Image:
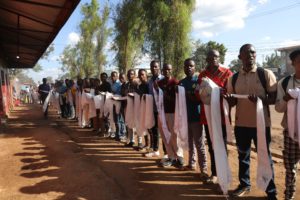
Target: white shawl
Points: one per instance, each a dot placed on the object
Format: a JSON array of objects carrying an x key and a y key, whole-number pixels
[
  {"x": 180, "y": 119},
  {"x": 129, "y": 113},
  {"x": 213, "y": 116},
  {"x": 264, "y": 169},
  {"x": 159, "y": 101},
  {"x": 293, "y": 115}
]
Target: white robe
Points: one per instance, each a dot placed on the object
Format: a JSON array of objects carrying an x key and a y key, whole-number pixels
[{"x": 129, "y": 113}]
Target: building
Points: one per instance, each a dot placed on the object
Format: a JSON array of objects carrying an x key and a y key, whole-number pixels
[
  {"x": 286, "y": 67},
  {"x": 27, "y": 28}
]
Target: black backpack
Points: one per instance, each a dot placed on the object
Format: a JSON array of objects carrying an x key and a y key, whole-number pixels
[
  {"x": 262, "y": 79},
  {"x": 285, "y": 83},
  {"x": 261, "y": 76}
]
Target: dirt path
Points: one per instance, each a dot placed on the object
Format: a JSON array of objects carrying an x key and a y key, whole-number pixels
[{"x": 53, "y": 159}]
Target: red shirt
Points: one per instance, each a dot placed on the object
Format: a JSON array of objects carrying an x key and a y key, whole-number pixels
[
  {"x": 168, "y": 87},
  {"x": 220, "y": 77}
]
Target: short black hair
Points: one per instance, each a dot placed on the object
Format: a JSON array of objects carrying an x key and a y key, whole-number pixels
[
  {"x": 153, "y": 61},
  {"x": 294, "y": 54},
  {"x": 114, "y": 72},
  {"x": 130, "y": 70},
  {"x": 188, "y": 60},
  {"x": 103, "y": 74},
  {"x": 244, "y": 46},
  {"x": 142, "y": 70}
]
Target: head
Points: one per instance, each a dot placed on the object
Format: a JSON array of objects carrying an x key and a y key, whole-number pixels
[
  {"x": 70, "y": 83},
  {"x": 44, "y": 80},
  {"x": 114, "y": 76},
  {"x": 79, "y": 82},
  {"x": 189, "y": 67},
  {"x": 248, "y": 57},
  {"x": 86, "y": 83},
  {"x": 130, "y": 75},
  {"x": 142, "y": 74},
  {"x": 96, "y": 82},
  {"x": 103, "y": 77},
  {"x": 213, "y": 58},
  {"x": 295, "y": 58},
  {"x": 122, "y": 77},
  {"x": 154, "y": 67},
  {"x": 167, "y": 70}
]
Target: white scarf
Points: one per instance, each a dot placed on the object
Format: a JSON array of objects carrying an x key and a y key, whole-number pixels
[
  {"x": 79, "y": 107},
  {"x": 293, "y": 115},
  {"x": 149, "y": 119},
  {"x": 159, "y": 100},
  {"x": 141, "y": 130},
  {"x": 213, "y": 116},
  {"x": 180, "y": 119},
  {"x": 264, "y": 169},
  {"x": 129, "y": 113}
]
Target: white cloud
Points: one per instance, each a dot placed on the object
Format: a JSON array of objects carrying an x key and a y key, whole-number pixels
[
  {"x": 266, "y": 38},
  {"x": 211, "y": 18},
  {"x": 73, "y": 38},
  {"x": 263, "y": 1}
]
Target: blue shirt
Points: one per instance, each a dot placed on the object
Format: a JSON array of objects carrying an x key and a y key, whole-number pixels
[
  {"x": 193, "y": 107},
  {"x": 116, "y": 87}
]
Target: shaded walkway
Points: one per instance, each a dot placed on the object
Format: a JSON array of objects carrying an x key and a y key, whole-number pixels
[{"x": 54, "y": 159}]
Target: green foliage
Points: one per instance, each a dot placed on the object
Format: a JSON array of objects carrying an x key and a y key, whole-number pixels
[
  {"x": 47, "y": 53},
  {"x": 235, "y": 65},
  {"x": 129, "y": 33},
  {"x": 37, "y": 68},
  {"x": 87, "y": 57},
  {"x": 169, "y": 25},
  {"x": 201, "y": 50},
  {"x": 272, "y": 61}
]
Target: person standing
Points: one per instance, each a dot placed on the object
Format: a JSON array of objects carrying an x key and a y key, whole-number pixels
[
  {"x": 254, "y": 82},
  {"x": 168, "y": 85},
  {"x": 219, "y": 75},
  {"x": 154, "y": 136},
  {"x": 291, "y": 151},
  {"x": 196, "y": 137},
  {"x": 44, "y": 90}
]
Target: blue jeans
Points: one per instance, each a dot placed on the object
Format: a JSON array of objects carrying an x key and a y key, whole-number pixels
[
  {"x": 120, "y": 124},
  {"x": 244, "y": 137}
]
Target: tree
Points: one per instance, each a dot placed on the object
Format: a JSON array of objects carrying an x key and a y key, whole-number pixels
[
  {"x": 88, "y": 27},
  {"x": 102, "y": 35},
  {"x": 87, "y": 58},
  {"x": 201, "y": 50},
  {"x": 169, "y": 25},
  {"x": 71, "y": 62},
  {"x": 272, "y": 61},
  {"x": 235, "y": 65},
  {"x": 129, "y": 33}
]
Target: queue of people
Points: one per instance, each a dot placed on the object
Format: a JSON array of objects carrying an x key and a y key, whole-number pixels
[{"x": 186, "y": 114}]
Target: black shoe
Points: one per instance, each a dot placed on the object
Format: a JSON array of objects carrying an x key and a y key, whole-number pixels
[
  {"x": 240, "y": 191},
  {"x": 130, "y": 144},
  {"x": 179, "y": 163},
  {"x": 272, "y": 197}
]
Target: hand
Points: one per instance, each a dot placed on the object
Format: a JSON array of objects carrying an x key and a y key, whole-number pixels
[
  {"x": 232, "y": 101},
  {"x": 287, "y": 97},
  {"x": 252, "y": 98}
]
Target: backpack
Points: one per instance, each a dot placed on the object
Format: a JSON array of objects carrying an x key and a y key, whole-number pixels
[
  {"x": 261, "y": 77},
  {"x": 285, "y": 83}
]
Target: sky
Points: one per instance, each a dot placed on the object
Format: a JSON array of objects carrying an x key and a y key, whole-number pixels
[{"x": 267, "y": 24}]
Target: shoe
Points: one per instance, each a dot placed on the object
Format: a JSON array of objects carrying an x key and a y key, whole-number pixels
[
  {"x": 152, "y": 154},
  {"x": 272, "y": 197},
  {"x": 212, "y": 180},
  {"x": 112, "y": 135},
  {"x": 167, "y": 163},
  {"x": 240, "y": 191},
  {"x": 179, "y": 163},
  {"x": 189, "y": 168},
  {"x": 123, "y": 139},
  {"x": 130, "y": 144},
  {"x": 203, "y": 176}
]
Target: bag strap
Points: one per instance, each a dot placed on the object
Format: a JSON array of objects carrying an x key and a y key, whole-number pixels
[
  {"x": 233, "y": 81},
  {"x": 285, "y": 83}
]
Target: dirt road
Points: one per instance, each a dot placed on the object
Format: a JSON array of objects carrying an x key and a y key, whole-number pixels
[{"x": 55, "y": 160}]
